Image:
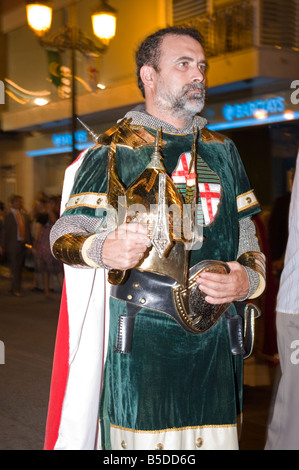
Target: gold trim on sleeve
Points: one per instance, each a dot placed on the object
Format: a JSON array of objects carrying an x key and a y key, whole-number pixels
[
  {"x": 260, "y": 289},
  {"x": 257, "y": 262},
  {"x": 85, "y": 247},
  {"x": 92, "y": 200},
  {"x": 246, "y": 200},
  {"x": 71, "y": 249}
]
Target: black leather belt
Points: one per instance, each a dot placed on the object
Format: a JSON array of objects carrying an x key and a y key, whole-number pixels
[
  {"x": 146, "y": 289},
  {"x": 186, "y": 306},
  {"x": 158, "y": 292}
]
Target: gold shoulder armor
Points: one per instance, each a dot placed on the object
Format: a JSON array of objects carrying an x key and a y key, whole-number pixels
[
  {"x": 211, "y": 136},
  {"x": 130, "y": 135}
]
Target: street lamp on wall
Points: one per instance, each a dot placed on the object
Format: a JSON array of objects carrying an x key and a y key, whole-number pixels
[
  {"x": 39, "y": 19},
  {"x": 39, "y": 16},
  {"x": 104, "y": 22}
]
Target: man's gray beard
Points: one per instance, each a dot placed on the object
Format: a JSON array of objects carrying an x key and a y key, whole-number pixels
[
  {"x": 187, "y": 107},
  {"x": 183, "y": 106}
]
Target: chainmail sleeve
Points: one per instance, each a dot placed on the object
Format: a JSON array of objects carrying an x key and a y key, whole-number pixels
[
  {"x": 74, "y": 224},
  {"x": 248, "y": 242}
]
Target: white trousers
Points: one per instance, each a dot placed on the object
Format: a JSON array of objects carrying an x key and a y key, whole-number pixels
[{"x": 283, "y": 430}]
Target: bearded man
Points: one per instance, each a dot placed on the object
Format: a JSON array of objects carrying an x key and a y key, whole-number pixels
[{"x": 161, "y": 206}]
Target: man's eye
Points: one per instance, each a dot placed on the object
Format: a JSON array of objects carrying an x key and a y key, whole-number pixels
[{"x": 202, "y": 67}]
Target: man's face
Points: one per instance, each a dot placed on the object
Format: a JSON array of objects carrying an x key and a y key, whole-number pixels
[
  {"x": 17, "y": 203},
  {"x": 180, "y": 80}
]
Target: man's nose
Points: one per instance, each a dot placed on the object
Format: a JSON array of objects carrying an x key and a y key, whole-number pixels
[{"x": 198, "y": 75}]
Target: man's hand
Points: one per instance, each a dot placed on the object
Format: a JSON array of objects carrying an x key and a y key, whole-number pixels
[
  {"x": 224, "y": 288},
  {"x": 125, "y": 247}
]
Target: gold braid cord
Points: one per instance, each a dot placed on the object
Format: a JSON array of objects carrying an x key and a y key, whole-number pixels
[{"x": 257, "y": 262}]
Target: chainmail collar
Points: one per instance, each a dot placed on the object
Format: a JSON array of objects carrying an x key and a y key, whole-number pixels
[{"x": 140, "y": 117}]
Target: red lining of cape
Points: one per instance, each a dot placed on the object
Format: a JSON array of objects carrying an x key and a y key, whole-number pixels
[{"x": 59, "y": 375}]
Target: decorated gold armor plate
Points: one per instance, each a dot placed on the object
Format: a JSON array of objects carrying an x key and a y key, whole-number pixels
[{"x": 197, "y": 314}]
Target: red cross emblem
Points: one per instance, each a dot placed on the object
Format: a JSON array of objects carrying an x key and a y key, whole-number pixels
[
  {"x": 180, "y": 174},
  {"x": 209, "y": 192},
  {"x": 210, "y": 197}
]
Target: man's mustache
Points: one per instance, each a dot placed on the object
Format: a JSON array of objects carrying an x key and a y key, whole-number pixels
[{"x": 194, "y": 87}]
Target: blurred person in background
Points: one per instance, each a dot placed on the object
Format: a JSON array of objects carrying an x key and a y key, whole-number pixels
[
  {"x": 38, "y": 217},
  {"x": 47, "y": 265},
  {"x": 2, "y": 215},
  {"x": 16, "y": 236}
]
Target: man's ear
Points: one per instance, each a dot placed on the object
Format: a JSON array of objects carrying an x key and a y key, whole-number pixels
[{"x": 147, "y": 74}]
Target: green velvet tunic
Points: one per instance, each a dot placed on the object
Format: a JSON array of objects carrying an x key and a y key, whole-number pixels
[{"x": 173, "y": 379}]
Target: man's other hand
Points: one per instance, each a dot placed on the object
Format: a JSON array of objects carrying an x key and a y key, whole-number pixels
[{"x": 224, "y": 288}]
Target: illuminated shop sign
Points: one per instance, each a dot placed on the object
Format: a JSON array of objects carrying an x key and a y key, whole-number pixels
[
  {"x": 261, "y": 110},
  {"x": 63, "y": 140},
  {"x": 254, "y": 108},
  {"x": 61, "y": 143}
]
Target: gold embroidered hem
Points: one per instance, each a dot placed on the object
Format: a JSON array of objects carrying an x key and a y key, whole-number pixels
[{"x": 209, "y": 437}]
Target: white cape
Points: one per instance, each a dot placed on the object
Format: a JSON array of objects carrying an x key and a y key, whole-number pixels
[{"x": 72, "y": 422}]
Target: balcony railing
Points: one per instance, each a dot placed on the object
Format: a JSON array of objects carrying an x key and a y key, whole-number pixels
[{"x": 249, "y": 23}]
